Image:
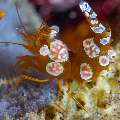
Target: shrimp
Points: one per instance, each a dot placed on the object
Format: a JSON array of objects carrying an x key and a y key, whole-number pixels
[{"x": 57, "y": 59}]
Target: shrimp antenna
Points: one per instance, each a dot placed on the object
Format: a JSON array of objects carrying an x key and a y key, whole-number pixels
[
  {"x": 21, "y": 23},
  {"x": 20, "y": 20},
  {"x": 14, "y": 43}
]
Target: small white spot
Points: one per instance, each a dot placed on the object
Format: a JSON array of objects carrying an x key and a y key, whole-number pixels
[
  {"x": 96, "y": 51},
  {"x": 94, "y": 22},
  {"x": 104, "y": 60},
  {"x": 55, "y": 28},
  {"x": 44, "y": 50},
  {"x": 104, "y": 41},
  {"x": 104, "y": 72},
  {"x": 88, "y": 42},
  {"x": 87, "y": 14},
  {"x": 93, "y": 15},
  {"x": 111, "y": 55},
  {"x": 98, "y": 29},
  {"x": 54, "y": 68},
  {"x": 85, "y": 6},
  {"x": 54, "y": 31},
  {"x": 86, "y": 71}
]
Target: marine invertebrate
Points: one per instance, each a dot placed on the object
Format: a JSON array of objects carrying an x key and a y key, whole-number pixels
[
  {"x": 87, "y": 74},
  {"x": 56, "y": 59}
]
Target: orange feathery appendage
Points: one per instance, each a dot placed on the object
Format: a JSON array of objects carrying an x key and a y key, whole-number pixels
[{"x": 33, "y": 42}]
